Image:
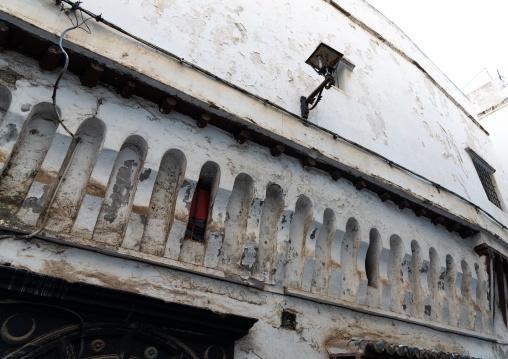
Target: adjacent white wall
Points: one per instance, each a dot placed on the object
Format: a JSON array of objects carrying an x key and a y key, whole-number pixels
[
  {"x": 391, "y": 107},
  {"x": 491, "y": 102}
]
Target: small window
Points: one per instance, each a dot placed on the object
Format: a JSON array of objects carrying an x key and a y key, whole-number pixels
[
  {"x": 485, "y": 172},
  {"x": 342, "y": 74}
]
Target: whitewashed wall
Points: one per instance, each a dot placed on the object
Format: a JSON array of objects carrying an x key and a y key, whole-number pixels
[
  {"x": 497, "y": 124},
  {"x": 321, "y": 328},
  {"x": 392, "y": 107},
  {"x": 323, "y": 234},
  {"x": 490, "y": 103}
]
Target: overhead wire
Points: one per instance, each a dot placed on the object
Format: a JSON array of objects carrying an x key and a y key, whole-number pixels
[
  {"x": 99, "y": 18},
  {"x": 76, "y": 24},
  {"x": 475, "y": 76}
]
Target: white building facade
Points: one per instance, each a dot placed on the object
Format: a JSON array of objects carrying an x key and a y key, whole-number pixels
[{"x": 176, "y": 202}]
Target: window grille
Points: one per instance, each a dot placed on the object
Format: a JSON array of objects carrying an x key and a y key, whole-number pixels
[{"x": 485, "y": 172}]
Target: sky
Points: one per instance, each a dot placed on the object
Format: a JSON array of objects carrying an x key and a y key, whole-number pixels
[{"x": 462, "y": 37}]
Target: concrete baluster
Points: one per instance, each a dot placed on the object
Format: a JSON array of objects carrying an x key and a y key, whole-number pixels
[
  {"x": 118, "y": 200},
  {"x": 268, "y": 231},
  {"x": 237, "y": 214},
  {"x": 323, "y": 249},
  {"x": 349, "y": 254},
  {"x": 161, "y": 210},
  {"x": 299, "y": 228}
]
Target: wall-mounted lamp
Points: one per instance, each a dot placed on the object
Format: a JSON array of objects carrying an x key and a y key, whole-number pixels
[{"x": 323, "y": 61}]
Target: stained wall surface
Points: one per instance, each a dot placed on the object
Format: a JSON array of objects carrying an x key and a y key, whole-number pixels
[
  {"x": 328, "y": 250},
  {"x": 114, "y": 207},
  {"x": 490, "y": 103},
  {"x": 393, "y": 90}
]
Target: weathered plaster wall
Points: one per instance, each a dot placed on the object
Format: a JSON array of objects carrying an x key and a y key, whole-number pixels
[
  {"x": 320, "y": 328},
  {"x": 497, "y": 123},
  {"x": 388, "y": 96},
  {"x": 369, "y": 264},
  {"x": 327, "y": 241},
  {"x": 248, "y": 44}
]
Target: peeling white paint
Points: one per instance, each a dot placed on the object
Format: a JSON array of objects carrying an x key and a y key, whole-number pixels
[{"x": 279, "y": 236}]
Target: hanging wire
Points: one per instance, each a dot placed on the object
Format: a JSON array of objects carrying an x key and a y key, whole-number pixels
[
  {"x": 78, "y": 22},
  {"x": 475, "y": 76},
  {"x": 99, "y": 18}
]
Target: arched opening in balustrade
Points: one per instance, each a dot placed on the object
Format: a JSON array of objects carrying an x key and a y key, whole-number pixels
[
  {"x": 434, "y": 271},
  {"x": 163, "y": 202},
  {"x": 372, "y": 258},
  {"x": 466, "y": 293},
  {"x": 451, "y": 291},
  {"x": 27, "y": 156},
  {"x": 482, "y": 286},
  {"x": 75, "y": 173},
  {"x": 435, "y": 284},
  {"x": 202, "y": 201},
  {"x": 467, "y": 280},
  {"x": 117, "y": 206}
]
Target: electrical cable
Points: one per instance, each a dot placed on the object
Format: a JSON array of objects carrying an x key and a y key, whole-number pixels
[
  {"x": 475, "y": 76},
  {"x": 76, "y": 25},
  {"x": 99, "y": 18}
]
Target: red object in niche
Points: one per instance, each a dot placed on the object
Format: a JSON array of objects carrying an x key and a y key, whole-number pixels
[
  {"x": 198, "y": 215},
  {"x": 200, "y": 204}
]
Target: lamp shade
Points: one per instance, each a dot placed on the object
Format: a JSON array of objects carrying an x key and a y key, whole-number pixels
[{"x": 323, "y": 56}]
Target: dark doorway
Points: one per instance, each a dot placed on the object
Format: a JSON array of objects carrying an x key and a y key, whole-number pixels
[{"x": 47, "y": 317}]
